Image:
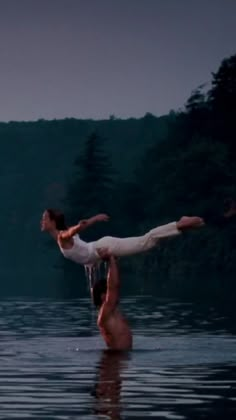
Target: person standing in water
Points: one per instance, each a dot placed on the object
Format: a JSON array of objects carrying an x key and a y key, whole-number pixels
[
  {"x": 105, "y": 294},
  {"x": 86, "y": 253}
]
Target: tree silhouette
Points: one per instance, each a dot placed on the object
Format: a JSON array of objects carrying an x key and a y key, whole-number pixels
[
  {"x": 222, "y": 100},
  {"x": 91, "y": 190}
]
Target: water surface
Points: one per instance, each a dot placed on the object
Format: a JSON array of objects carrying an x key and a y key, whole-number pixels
[{"x": 54, "y": 364}]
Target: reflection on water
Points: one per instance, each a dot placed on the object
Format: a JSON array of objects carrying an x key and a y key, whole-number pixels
[
  {"x": 53, "y": 364},
  {"x": 108, "y": 386}
]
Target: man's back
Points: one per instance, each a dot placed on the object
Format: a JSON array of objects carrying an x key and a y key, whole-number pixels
[
  {"x": 111, "y": 323},
  {"x": 115, "y": 329}
]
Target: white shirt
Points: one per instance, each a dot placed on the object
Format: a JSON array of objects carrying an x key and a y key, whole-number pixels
[{"x": 81, "y": 252}]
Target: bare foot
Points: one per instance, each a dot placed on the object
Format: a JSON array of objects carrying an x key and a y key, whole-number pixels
[{"x": 190, "y": 222}]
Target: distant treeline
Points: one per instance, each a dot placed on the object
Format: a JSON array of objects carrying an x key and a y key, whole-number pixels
[
  {"x": 143, "y": 172},
  {"x": 190, "y": 171}
]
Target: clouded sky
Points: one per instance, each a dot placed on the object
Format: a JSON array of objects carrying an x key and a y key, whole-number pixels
[{"x": 94, "y": 58}]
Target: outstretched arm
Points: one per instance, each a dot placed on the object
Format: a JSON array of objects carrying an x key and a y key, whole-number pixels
[{"x": 82, "y": 225}]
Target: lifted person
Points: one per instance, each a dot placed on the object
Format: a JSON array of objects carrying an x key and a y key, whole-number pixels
[{"x": 86, "y": 253}]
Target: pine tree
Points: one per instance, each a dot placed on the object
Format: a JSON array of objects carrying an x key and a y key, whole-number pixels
[
  {"x": 222, "y": 100},
  {"x": 91, "y": 190}
]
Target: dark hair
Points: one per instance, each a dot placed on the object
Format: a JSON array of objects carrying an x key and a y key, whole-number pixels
[
  {"x": 58, "y": 218},
  {"x": 99, "y": 288}
]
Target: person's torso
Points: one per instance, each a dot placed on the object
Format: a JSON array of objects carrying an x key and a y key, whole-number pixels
[
  {"x": 80, "y": 251},
  {"x": 116, "y": 332}
]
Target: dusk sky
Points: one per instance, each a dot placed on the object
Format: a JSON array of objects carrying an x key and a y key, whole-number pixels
[{"x": 95, "y": 58}]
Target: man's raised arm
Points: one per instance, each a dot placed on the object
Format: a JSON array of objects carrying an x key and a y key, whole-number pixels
[{"x": 113, "y": 282}]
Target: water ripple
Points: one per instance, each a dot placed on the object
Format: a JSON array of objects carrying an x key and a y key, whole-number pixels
[{"x": 54, "y": 365}]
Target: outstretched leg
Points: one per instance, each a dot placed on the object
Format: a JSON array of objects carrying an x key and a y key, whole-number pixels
[{"x": 120, "y": 247}]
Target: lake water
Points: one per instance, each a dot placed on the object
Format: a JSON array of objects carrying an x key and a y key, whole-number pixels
[{"x": 54, "y": 364}]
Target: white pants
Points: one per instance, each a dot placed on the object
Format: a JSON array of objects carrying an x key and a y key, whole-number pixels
[{"x": 121, "y": 247}]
